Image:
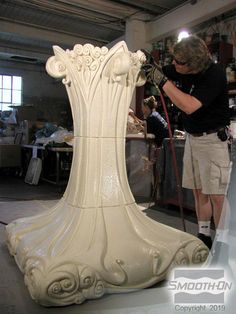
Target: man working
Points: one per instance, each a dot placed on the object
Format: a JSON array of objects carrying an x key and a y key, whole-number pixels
[{"x": 198, "y": 87}]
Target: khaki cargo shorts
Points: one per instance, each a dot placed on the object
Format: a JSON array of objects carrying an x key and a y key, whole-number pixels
[{"x": 206, "y": 164}]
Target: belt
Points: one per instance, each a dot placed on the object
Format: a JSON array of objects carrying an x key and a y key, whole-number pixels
[{"x": 205, "y": 133}]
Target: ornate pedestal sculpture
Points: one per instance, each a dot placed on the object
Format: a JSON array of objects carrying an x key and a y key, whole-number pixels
[{"x": 96, "y": 240}]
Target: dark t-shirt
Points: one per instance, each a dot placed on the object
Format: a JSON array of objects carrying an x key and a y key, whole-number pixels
[{"x": 210, "y": 88}]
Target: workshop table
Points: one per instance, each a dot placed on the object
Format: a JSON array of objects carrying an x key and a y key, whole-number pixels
[{"x": 51, "y": 174}]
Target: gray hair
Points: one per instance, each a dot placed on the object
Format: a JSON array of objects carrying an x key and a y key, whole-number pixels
[{"x": 193, "y": 50}]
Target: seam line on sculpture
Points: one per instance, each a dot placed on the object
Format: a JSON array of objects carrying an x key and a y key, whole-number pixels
[
  {"x": 100, "y": 136},
  {"x": 78, "y": 206}
]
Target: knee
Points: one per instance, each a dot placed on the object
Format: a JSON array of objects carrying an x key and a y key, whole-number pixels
[
  {"x": 217, "y": 199},
  {"x": 200, "y": 197}
]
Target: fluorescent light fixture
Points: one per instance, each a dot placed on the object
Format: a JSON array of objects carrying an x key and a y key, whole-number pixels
[{"x": 183, "y": 34}]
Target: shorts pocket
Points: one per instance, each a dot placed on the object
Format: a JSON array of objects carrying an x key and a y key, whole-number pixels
[
  {"x": 219, "y": 172},
  {"x": 224, "y": 175}
]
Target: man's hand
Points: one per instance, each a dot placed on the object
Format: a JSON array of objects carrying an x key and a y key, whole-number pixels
[{"x": 154, "y": 75}]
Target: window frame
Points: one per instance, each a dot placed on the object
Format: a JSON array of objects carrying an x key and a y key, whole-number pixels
[{"x": 4, "y": 105}]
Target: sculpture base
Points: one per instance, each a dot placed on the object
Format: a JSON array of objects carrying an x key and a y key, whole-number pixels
[
  {"x": 70, "y": 254},
  {"x": 96, "y": 240}
]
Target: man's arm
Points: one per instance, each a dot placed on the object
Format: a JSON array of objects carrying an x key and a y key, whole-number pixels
[{"x": 183, "y": 101}]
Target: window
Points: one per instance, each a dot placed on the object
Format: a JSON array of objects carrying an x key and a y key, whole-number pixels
[{"x": 10, "y": 91}]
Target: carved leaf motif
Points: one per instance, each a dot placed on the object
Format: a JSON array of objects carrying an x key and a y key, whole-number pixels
[{"x": 63, "y": 283}]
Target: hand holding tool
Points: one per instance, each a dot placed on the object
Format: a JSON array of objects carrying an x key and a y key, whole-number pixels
[{"x": 153, "y": 71}]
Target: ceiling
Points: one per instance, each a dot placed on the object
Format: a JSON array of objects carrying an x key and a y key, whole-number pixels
[{"x": 29, "y": 28}]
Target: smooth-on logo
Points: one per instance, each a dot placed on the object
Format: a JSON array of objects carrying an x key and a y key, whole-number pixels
[{"x": 199, "y": 286}]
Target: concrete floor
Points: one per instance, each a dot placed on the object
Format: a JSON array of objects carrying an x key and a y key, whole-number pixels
[{"x": 18, "y": 199}]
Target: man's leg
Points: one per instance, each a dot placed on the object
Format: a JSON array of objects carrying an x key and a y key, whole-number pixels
[
  {"x": 204, "y": 213},
  {"x": 217, "y": 204},
  {"x": 221, "y": 214},
  {"x": 202, "y": 205}
]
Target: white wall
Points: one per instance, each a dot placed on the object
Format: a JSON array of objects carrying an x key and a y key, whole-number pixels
[
  {"x": 36, "y": 81},
  {"x": 47, "y": 96},
  {"x": 187, "y": 16}
]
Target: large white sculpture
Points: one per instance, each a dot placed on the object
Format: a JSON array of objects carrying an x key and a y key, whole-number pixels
[{"x": 96, "y": 240}]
